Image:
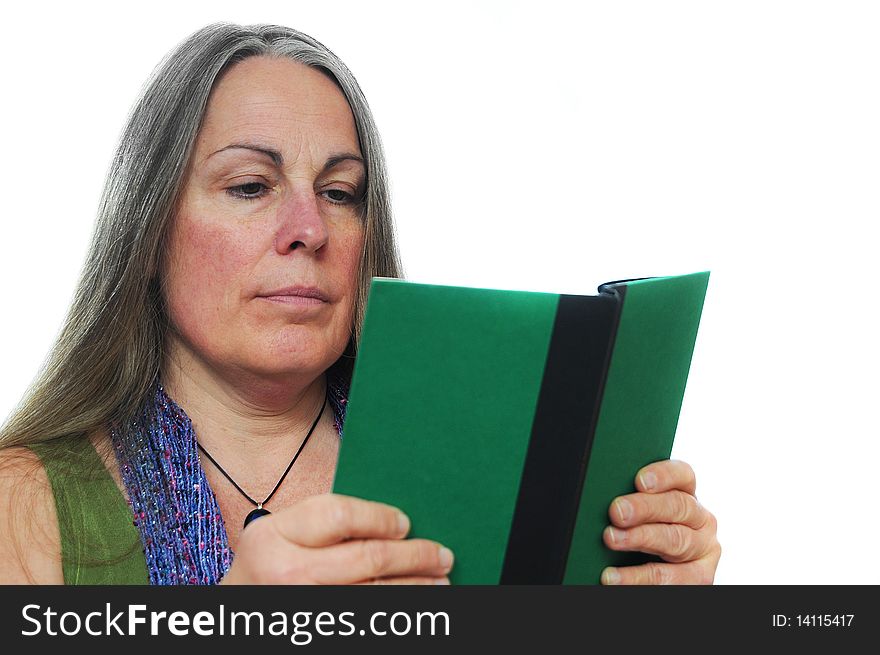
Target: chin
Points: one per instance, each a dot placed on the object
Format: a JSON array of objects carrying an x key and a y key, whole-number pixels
[{"x": 302, "y": 355}]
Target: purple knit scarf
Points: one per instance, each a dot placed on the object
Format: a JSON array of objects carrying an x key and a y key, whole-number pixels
[{"x": 175, "y": 509}]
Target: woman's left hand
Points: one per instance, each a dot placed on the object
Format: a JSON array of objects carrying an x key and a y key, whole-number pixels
[{"x": 663, "y": 518}]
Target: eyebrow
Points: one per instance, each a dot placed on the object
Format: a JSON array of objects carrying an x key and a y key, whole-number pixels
[{"x": 278, "y": 159}]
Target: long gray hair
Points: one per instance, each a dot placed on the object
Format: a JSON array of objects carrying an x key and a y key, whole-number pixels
[{"x": 109, "y": 353}]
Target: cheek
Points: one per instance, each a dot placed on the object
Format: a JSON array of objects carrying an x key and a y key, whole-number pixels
[
  {"x": 348, "y": 267},
  {"x": 352, "y": 244},
  {"x": 204, "y": 272}
]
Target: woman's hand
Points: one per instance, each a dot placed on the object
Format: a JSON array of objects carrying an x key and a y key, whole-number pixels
[
  {"x": 663, "y": 518},
  {"x": 335, "y": 539}
]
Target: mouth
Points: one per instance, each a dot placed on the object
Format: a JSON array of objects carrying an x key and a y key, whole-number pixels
[{"x": 298, "y": 295}]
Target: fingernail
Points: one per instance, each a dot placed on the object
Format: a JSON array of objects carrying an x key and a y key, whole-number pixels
[
  {"x": 442, "y": 581},
  {"x": 617, "y": 537},
  {"x": 624, "y": 509},
  {"x": 446, "y": 558},
  {"x": 648, "y": 480},
  {"x": 610, "y": 576},
  {"x": 403, "y": 522}
]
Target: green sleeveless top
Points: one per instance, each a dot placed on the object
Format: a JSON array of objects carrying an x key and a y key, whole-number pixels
[{"x": 99, "y": 542}]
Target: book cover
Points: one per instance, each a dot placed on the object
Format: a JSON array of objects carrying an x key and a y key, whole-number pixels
[{"x": 504, "y": 422}]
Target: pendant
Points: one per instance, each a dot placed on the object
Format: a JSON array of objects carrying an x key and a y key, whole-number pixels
[{"x": 255, "y": 514}]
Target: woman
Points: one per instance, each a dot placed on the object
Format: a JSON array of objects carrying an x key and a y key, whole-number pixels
[{"x": 203, "y": 367}]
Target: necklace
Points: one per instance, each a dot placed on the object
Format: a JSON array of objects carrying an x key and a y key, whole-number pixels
[
  {"x": 174, "y": 508},
  {"x": 260, "y": 511}
]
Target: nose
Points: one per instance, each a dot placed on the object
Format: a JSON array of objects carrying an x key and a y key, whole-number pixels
[{"x": 300, "y": 223}]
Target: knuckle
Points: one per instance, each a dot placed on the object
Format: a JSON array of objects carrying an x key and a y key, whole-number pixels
[
  {"x": 423, "y": 556},
  {"x": 317, "y": 503},
  {"x": 340, "y": 514},
  {"x": 375, "y": 553},
  {"x": 711, "y": 522},
  {"x": 706, "y": 570},
  {"x": 383, "y": 518},
  {"x": 639, "y": 538},
  {"x": 649, "y": 538},
  {"x": 683, "y": 507},
  {"x": 678, "y": 541},
  {"x": 432, "y": 556},
  {"x": 658, "y": 574},
  {"x": 332, "y": 512},
  {"x": 394, "y": 521}
]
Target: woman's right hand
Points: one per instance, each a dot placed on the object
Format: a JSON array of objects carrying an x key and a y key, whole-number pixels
[{"x": 335, "y": 539}]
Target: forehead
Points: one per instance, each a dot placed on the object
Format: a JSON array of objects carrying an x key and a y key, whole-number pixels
[{"x": 279, "y": 101}]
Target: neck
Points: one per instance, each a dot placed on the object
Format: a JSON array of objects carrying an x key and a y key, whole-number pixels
[{"x": 248, "y": 418}]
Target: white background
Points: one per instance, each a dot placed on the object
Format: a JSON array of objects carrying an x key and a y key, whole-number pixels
[{"x": 552, "y": 146}]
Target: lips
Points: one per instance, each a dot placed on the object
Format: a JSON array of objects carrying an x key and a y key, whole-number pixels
[{"x": 297, "y": 292}]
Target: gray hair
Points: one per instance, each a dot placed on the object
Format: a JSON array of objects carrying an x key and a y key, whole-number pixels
[{"x": 109, "y": 353}]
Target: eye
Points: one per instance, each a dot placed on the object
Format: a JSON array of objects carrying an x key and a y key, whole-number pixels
[
  {"x": 338, "y": 196},
  {"x": 249, "y": 191}
]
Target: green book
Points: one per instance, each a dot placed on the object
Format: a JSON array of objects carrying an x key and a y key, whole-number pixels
[{"x": 505, "y": 422}]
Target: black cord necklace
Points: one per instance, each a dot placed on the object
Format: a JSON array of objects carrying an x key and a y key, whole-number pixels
[{"x": 259, "y": 511}]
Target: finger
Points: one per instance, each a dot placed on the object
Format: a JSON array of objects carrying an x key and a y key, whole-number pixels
[
  {"x": 328, "y": 519},
  {"x": 367, "y": 559},
  {"x": 674, "y": 543},
  {"x": 665, "y": 475},
  {"x": 406, "y": 581},
  {"x": 660, "y": 573},
  {"x": 666, "y": 507}
]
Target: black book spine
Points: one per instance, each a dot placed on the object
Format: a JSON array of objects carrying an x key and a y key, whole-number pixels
[{"x": 562, "y": 433}]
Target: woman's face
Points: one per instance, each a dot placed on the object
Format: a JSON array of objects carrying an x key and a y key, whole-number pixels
[{"x": 264, "y": 251}]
